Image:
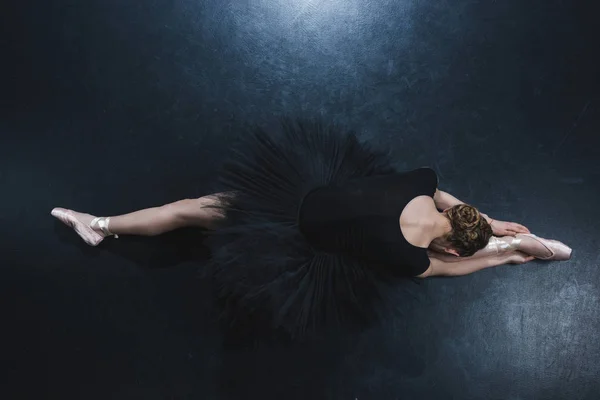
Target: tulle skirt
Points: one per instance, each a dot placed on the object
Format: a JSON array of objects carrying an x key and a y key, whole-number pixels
[{"x": 265, "y": 271}]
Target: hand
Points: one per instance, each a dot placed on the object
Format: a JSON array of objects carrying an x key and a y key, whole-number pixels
[
  {"x": 502, "y": 228},
  {"x": 519, "y": 257}
]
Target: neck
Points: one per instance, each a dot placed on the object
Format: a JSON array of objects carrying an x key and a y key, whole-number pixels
[{"x": 441, "y": 226}]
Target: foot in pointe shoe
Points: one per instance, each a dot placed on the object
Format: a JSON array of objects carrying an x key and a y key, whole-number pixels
[
  {"x": 553, "y": 249},
  {"x": 91, "y": 229}
]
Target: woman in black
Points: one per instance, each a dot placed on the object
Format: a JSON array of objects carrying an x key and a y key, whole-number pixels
[{"x": 310, "y": 227}]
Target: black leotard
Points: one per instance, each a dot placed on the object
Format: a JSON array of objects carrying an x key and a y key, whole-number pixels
[{"x": 361, "y": 218}]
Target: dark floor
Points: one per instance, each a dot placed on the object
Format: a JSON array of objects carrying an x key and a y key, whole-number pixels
[{"x": 110, "y": 106}]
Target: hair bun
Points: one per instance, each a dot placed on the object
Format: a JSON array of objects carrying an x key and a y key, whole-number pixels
[
  {"x": 470, "y": 232},
  {"x": 464, "y": 216}
]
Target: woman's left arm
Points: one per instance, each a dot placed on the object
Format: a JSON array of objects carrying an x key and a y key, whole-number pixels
[{"x": 445, "y": 200}]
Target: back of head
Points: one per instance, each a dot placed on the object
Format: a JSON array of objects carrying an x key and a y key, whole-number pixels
[{"x": 470, "y": 230}]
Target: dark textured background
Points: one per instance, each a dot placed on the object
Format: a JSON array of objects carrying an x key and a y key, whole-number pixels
[{"x": 110, "y": 106}]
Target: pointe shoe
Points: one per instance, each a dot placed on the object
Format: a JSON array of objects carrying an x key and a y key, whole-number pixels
[
  {"x": 87, "y": 233},
  {"x": 559, "y": 250}
]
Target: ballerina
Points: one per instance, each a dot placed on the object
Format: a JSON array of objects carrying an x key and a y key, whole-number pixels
[{"x": 313, "y": 226}]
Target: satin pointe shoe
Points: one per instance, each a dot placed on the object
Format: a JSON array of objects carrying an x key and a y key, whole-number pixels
[
  {"x": 86, "y": 232},
  {"x": 559, "y": 251}
]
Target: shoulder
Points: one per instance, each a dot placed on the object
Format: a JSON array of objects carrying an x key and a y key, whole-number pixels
[
  {"x": 426, "y": 180},
  {"x": 437, "y": 267},
  {"x": 418, "y": 211},
  {"x": 428, "y": 272},
  {"x": 418, "y": 263},
  {"x": 427, "y": 174}
]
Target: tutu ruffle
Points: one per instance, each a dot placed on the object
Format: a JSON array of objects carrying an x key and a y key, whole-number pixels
[{"x": 264, "y": 269}]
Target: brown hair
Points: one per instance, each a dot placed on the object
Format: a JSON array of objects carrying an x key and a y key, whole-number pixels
[{"x": 470, "y": 231}]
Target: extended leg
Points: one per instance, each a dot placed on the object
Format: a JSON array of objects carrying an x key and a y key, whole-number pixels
[
  {"x": 148, "y": 222},
  {"x": 158, "y": 220}
]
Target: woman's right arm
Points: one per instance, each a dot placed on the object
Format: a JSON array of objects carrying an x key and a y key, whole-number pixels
[{"x": 465, "y": 267}]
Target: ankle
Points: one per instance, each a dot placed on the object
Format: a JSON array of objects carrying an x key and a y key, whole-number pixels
[
  {"x": 101, "y": 225},
  {"x": 504, "y": 245}
]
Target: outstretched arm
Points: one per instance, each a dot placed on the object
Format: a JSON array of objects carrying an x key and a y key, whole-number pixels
[
  {"x": 445, "y": 200},
  {"x": 465, "y": 267}
]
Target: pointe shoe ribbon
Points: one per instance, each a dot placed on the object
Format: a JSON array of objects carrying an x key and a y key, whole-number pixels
[
  {"x": 102, "y": 223},
  {"x": 498, "y": 246}
]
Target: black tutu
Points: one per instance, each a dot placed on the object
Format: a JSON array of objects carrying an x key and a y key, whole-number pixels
[{"x": 264, "y": 269}]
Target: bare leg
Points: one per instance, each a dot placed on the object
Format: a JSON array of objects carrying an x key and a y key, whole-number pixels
[
  {"x": 158, "y": 220},
  {"x": 148, "y": 222}
]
